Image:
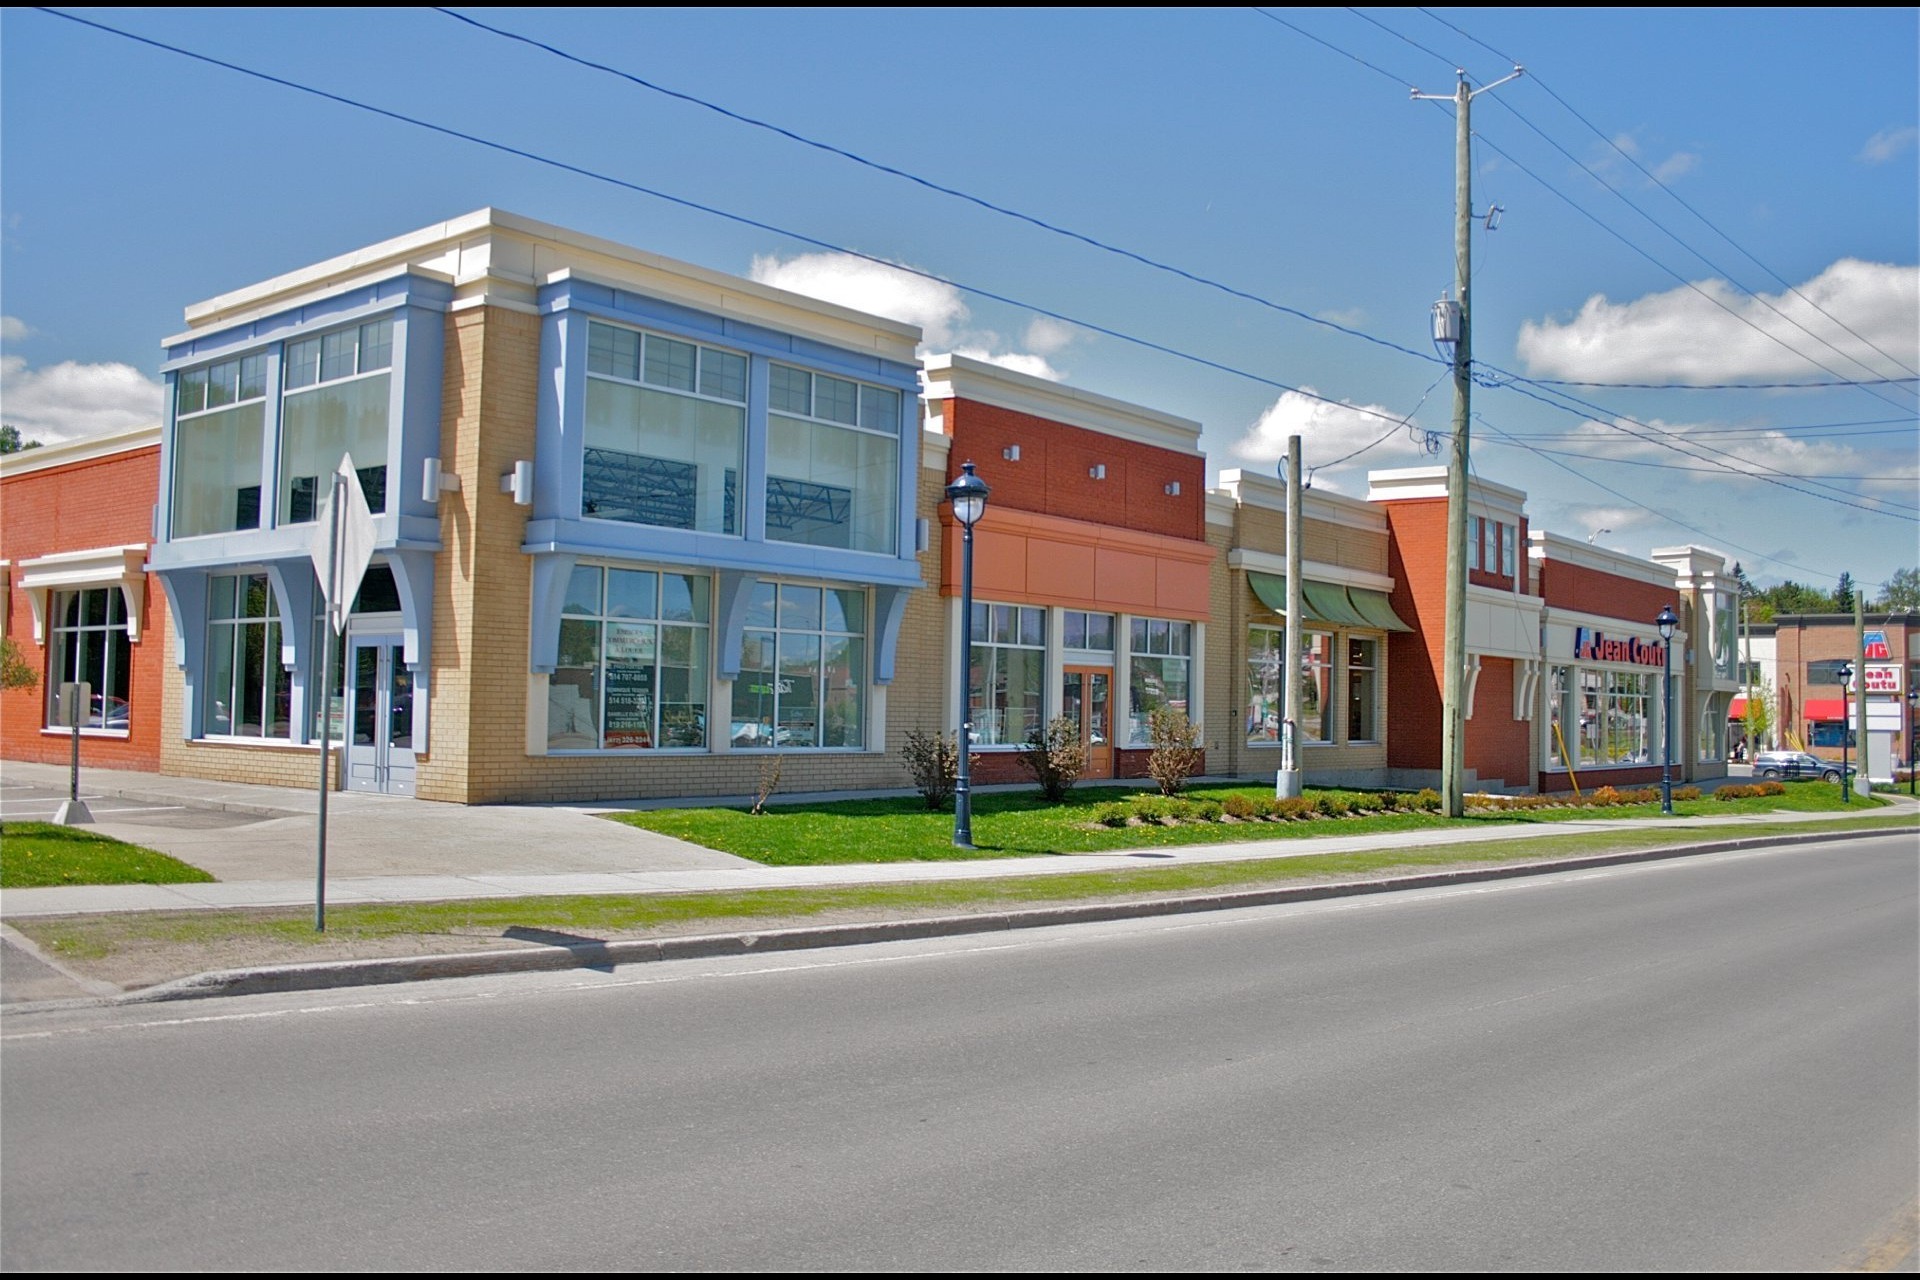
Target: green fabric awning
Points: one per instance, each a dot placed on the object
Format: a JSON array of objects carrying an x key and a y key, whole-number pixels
[
  {"x": 1329, "y": 603},
  {"x": 1272, "y": 590},
  {"x": 1376, "y": 609}
]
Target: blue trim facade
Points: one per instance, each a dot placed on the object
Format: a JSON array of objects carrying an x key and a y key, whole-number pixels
[
  {"x": 407, "y": 533},
  {"x": 558, "y": 535}
]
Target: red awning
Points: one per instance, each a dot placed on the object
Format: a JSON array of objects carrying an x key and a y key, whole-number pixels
[
  {"x": 1825, "y": 709},
  {"x": 1737, "y": 709}
]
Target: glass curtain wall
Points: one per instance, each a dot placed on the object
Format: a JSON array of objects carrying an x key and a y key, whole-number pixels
[
  {"x": 336, "y": 401},
  {"x": 219, "y": 426},
  {"x": 632, "y": 672},
  {"x": 833, "y": 449},
  {"x": 802, "y": 674}
]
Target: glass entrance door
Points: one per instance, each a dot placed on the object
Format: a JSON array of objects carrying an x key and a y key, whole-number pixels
[
  {"x": 1086, "y": 699},
  {"x": 380, "y": 745}
]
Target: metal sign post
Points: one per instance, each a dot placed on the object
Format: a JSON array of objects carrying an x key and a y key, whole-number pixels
[
  {"x": 75, "y": 698},
  {"x": 340, "y": 554}
]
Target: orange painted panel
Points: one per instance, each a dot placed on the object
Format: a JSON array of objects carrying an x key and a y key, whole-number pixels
[
  {"x": 1126, "y": 578},
  {"x": 1059, "y": 569}
]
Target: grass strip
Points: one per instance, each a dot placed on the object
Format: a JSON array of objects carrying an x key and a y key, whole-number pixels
[
  {"x": 37, "y": 855},
  {"x": 140, "y": 948},
  {"x": 1021, "y": 824}
]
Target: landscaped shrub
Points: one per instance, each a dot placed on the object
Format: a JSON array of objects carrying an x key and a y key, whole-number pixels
[
  {"x": 1753, "y": 791},
  {"x": 1208, "y": 810},
  {"x": 934, "y": 762},
  {"x": 1151, "y": 808},
  {"x": 1241, "y": 807},
  {"x": 1176, "y": 749},
  {"x": 1425, "y": 800},
  {"x": 1179, "y": 810},
  {"x": 1115, "y": 813},
  {"x": 1055, "y": 757},
  {"x": 1603, "y": 797},
  {"x": 1295, "y": 807},
  {"x": 1687, "y": 793},
  {"x": 1332, "y": 806}
]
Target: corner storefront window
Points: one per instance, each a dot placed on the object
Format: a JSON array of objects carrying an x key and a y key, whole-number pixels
[
  {"x": 1266, "y": 698},
  {"x": 802, "y": 669},
  {"x": 632, "y": 669},
  {"x": 247, "y": 692},
  {"x": 1362, "y": 688}
]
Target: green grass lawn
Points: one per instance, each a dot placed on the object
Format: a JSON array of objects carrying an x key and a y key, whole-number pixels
[
  {"x": 1017, "y": 824},
  {"x": 34, "y": 855}
]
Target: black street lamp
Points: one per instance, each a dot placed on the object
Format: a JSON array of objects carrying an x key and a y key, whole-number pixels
[
  {"x": 968, "y": 493},
  {"x": 1846, "y": 727},
  {"x": 1667, "y": 621}
]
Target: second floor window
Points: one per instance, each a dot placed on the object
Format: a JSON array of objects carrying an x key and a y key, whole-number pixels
[
  {"x": 665, "y": 427},
  {"x": 833, "y": 450},
  {"x": 337, "y": 392},
  {"x": 219, "y": 422}
]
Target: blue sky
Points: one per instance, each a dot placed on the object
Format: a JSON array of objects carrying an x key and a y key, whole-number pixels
[{"x": 134, "y": 181}]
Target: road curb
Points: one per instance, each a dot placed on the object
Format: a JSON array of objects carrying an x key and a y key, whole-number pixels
[{"x": 606, "y": 955}]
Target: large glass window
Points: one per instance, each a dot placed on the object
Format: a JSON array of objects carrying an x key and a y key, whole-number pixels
[
  {"x": 632, "y": 669},
  {"x": 335, "y": 403},
  {"x": 219, "y": 421},
  {"x": 91, "y": 644},
  {"x": 1159, "y": 670},
  {"x": 802, "y": 678},
  {"x": 1007, "y": 681},
  {"x": 1557, "y": 745},
  {"x": 247, "y": 692},
  {"x": 1616, "y": 710},
  {"x": 1316, "y": 687},
  {"x": 1086, "y": 632},
  {"x": 1266, "y": 696},
  {"x": 1362, "y": 688},
  {"x": 833, "y": 449},
  {"x": 665, "y": 426}
]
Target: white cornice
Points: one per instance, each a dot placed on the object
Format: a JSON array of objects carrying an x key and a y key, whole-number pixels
[
  {"x": 1257, "y": 489},
  {"x": 1557, "y": 548},
  {"x": 946, "y": 377},
  {"x": 1313, "y": 570},
  {"x": 1484, "y": 497},
  {"x": 491, "y": 253},
  {"x": 85, "y": 449}
]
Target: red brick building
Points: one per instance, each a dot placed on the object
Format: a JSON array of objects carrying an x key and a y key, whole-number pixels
[
  {"x": 1814, "y": 711},
  {"x": 75, "y": 520},
  {"x": 1091, "y": 567}
]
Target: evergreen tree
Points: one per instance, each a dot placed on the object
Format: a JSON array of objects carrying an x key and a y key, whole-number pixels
[{"x": 1843, "y": 593}]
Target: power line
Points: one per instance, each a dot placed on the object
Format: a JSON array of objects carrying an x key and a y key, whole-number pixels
[
  {"x": 1674, "y": 466},
  {"x": 1674, "y": 520},
  {"x": 741, "y": 219},
  {"x": 1405, "y": 84},
  {"x": 930, "y": 185},
  {"x": 1700, "y": 386},
  {"x": 1680, "y": 200}
]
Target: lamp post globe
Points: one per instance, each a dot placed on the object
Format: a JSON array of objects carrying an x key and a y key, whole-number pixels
[
  {"x": 968, "y": 494},
  {"x": 1667, "y": 621}
]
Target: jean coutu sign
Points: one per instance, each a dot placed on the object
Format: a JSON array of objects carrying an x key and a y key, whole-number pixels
[{"x": 1598, "y": 646}]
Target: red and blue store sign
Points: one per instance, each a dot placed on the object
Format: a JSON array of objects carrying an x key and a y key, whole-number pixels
[{"x": 1596, "y": 646}]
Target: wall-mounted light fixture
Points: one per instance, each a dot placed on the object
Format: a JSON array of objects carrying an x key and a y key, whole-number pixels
[
  {"x": 1011, "y": 453},
  {"x": 1098, "y": 471},
  {"x": 434, "y": 482},
  {"x": 519, "y": 483}
]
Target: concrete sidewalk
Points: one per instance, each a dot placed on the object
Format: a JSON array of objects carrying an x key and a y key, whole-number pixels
[{"x": 387, "y": 849}]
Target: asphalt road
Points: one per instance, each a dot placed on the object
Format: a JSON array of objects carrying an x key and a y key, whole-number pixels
[{"x": 1712, "y": 1063}]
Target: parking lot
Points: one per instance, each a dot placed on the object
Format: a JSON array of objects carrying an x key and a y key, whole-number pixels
[{"x": 28, "y": 802}]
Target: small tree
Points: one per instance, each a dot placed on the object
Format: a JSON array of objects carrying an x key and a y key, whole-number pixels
[
  {"x": 770, "y": 770},
  {"x": 15, "y": 671},
  {"x": 1176, "y": 749},
  {"x": 934, "y": 761},
  {"x": 1759, "y": 718},
  {"x": 1055, "y": 757}
]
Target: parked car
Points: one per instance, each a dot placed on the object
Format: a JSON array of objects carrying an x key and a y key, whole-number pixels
[{"x": 1797, "y": 764}]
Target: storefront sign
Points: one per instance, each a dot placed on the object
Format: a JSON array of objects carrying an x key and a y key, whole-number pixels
[
  {"x": 1877, "y": 645},
  {"x": 1595, "y": 646},
  {"x": 1884, "y": 679},
  {"x": 629, "y": 706}
]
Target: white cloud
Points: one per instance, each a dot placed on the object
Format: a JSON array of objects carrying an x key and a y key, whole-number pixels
[
  {"x": 1686, "y": 445},
  {"x": 1326, "y": 431},
  {"x": 1888, "y": 143},
  {"x": 1352, "y": 317},
  {"x": 873, "y": 287},
  {"x": 1019, "y": 362},
  {"x": 1677, "y": 165},
  {"x": 1047, "y": 335},
  {"x": 1682, "y": 336},
  {"x": 69, "y": 400},
  {"x": 13, "y": 328},
  {"x": 938, "y": 309}
]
